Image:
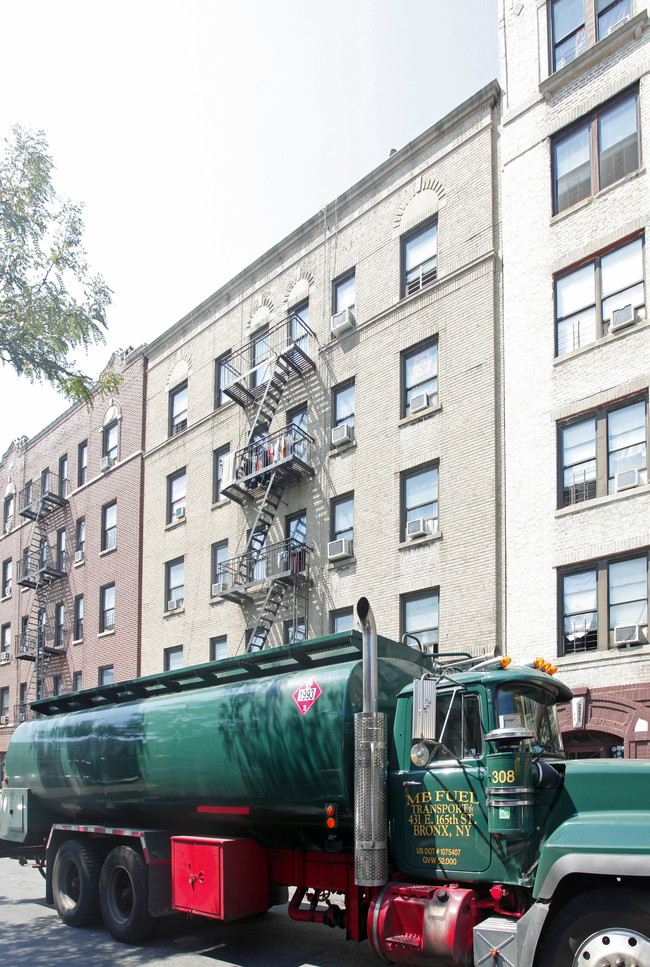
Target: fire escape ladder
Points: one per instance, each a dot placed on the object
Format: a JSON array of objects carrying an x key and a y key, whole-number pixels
[
  {"x": 266, "y": 511},
  {"x": 268, "y": 404},
  {"x": 267, "y": 615}
]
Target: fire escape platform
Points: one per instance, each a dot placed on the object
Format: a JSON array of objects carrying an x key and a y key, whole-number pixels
[
  {"x": 248, "y": 577},
  {"x": 41, "y": 575},
  {"x": 40, "y": 501},
  {"x": 245, "y": 490}
]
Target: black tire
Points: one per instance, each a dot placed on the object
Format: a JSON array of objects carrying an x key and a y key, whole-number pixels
[
  {"x": 124, "y": 895},
  {"x": 615, "y": 922},
  {"x": 75, "y": 883}
]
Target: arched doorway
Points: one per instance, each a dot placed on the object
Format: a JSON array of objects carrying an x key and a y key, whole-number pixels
[{"x": 592, "y": 745}]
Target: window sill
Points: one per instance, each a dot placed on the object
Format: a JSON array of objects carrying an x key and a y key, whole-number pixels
[
  {"x": 591, "y": 199},
  {"x": 80, "y": 563},
  {"x": 108, "y": 550},
  {"x": 593, "y": 55},
  {"x": 610, "y": 653},
  {"x": 171, "y": 524},
  {"x": 220, "y": 503},
  {"x": 172, "y": 614},
  {"x": 423, "y": 415},
  {"x": 601, "y": 341},
  {"x": 600, "y": 501},
  {"x": 79, "y": 641},
  {"x": 418, "y": 542},
  {"x": 6, "y": 597},
  {"x": 106, "y": 634},
  {"x": 338, "y": 565},
  {"x": 338, "y": 451}
]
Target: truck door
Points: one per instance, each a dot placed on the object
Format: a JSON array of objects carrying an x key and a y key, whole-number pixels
[{"x": 440, "y": 816}]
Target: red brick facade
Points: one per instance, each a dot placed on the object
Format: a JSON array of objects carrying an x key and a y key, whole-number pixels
[
  {"x": 619, "y": 713},
  {"x": 111, "y": 554}
]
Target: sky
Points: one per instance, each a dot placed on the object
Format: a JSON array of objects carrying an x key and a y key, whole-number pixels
[{"x": 198, "y": 135}]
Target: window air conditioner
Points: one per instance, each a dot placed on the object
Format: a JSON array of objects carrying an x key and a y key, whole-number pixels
[
  {"x": 339, "y": 550},
  {"x": 4, "y": 719},
  {"x": 9, "y": 526},
  {"x": 416, "y": 528},
  {"x": 419, "y": 402},
  {"x": 618, "y": 24},
  {"x": 179, "y": 513},
  {"x": 78, "y": 557},
  {"x": 342, "y": 322},
  {"x": 621, "y": 318},
  {"x": 104, "y": 463},
  {"x": 626, "y": 480},
  {"x": 4, "y": 657},
  {"x": 341, "y": 435},
  {"x": 175, "y": 604},
  {"x": 220, "y": 586},
  {"x": 627, "y": 635}
]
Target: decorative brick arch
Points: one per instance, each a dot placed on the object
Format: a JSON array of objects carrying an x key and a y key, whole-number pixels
[{"x": 622, "y": 711}]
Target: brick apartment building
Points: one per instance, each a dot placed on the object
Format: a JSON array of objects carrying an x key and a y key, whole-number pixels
[
  {"x": 575, "y": 210},
  {"x": 70, "y": 550},
  {"x": 327, "y": 425}
]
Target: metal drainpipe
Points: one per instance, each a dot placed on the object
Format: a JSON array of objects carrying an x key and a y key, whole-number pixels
[{"x": 370, "y": 807}]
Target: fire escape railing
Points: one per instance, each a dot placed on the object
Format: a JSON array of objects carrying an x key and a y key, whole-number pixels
[
  {"x": 240, "y": 576},
  {"x": 287, "y": 450}
]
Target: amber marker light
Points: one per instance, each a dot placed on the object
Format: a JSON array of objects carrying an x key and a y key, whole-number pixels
[
  {"x": 552, "y": 670},
  {"x": 505, "y": 662},
  {"x": 539, "y": 662}
]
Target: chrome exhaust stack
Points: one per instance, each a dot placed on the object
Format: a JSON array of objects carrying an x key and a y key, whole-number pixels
[{"x": 370, "y": 800}]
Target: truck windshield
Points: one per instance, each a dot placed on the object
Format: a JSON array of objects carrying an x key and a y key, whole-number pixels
[{"x": 530, "y": 708}]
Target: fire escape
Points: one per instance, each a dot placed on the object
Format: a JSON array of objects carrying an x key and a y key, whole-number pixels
[
  {"x": 42, "y": 563},
  {"x": 266, "y": 577}
]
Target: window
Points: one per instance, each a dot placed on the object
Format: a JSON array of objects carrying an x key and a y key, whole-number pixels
[
  {"x": 343, "y": 292},
  {"x": 7, "y": 569},
  {"x": 105, "y": 675},
  {"x": 107, "y": 608},
  {"x": 458, "y": 728},
  {"x": 570, "y": 32},
  {"x": 596, "y": 152},
  {"x": 4, "y": 705},
  {"x": 59, "y": 625},
  {"x": 603, "y": 453},
  {"x": 218, "y": 648},
  {"x": 43, "y": 553},
  {"x": 57, "y": 685},
  {"x": 178, "y": 409},
  {"x": 587, "y": 297},
  {"x": 343, "y": 405},
  {"x": 29, "y": 493},
  {"x": 175, "y": 584},
  {"x": 82, "y": 463},
  {"x": 220, "y": 563},
  {"x": 45, "y": 481},
  {"x": 419, "y": 258},
  {"x": 294, "y": 631},
  {"x": 24, "y": 632},
  {"x": 176, "y": 495},
  {"x": 341, "y": 621},
  {"x": 342, "y": 518},
  {"x": 222, "y": 378},
  {"x": 80, "y": 538},
  {"x": 221, "y": 473},
  {"x": 298, "y": 421},
  {"x": 5, "y": 640},
  {"x": 420, "y": 618},
  {"x": 77, "y": 681},
  {"x": 420, "y": 502},
  {"x": 8, "y": 514},
  {"x": 173, "y": 658},
  {"x": 3, "y": 766},
  {"x": 260, "y": 352},
  {"x": 604, "y": 604},
  {"x": 63, "y": 475},
  {"x": 419, "y": 378},
  {"x": 110, "y": 438},
  {"x": 109, "y": 526},
  {"x": 41, "y": 627},
  {"x": 78, "y": 617},
  {"x": 61, "y": 551},
  {"x": 298, "y": 323}
]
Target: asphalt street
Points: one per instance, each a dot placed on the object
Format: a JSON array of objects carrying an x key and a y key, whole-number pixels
[{"x": 31, "y": 935}]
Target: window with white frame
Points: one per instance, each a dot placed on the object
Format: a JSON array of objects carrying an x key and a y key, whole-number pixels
[
  {"x": 343, "y": 406},
  {"x": 61, "y": 553},
  {"x": 107, "y": 608},
  {"x": 82, "y": 463},
  {"x": 299, "y": 325},
  {"x": 604, "y": 604},
  {"x": 603, "y": 452},
  {"x": 5, "y": 640},
  {"x": 419, "y": 618},
  {"x": 110, "y": 440},
  {"x": 109, "y": 526},
  {"x": 176, "y": 495},
  {"x": 8, "y": 513},
  {"x": 173, "y": 658},
  {"x": 342, "y": 518},
  {"x": 175, "y": 584},
  {"x": 221, "y": 472},
  {"x": 260, "y": 354},
  {"x": 601, "y": 295},
  {"x": 344, "y": 292},
  {"x": 419, "y": 377},
  {"x": 222, "y": 378},
  {"x": 59, "y": 625},
  {"x": 78, "y": 617},
  {"x": 80, "y": 542},
  {"x": 220, "y": 565},
  {"x": 178, "y": 409},
  {"x": 63, "y": 475},
  {"x": 596, "y": 152},
  {"x": 7, "y": 572},
  {"x": 419, "y": 257},
  {"x": 419, "y": 502}
]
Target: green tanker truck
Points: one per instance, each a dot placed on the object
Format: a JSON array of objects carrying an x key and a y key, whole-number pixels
[{"x": 420, "y": 802}]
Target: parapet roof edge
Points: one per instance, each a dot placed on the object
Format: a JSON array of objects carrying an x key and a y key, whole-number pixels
[{"x": 487, "y": 96}]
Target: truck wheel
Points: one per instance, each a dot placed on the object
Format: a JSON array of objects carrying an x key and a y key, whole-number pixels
[
  {"x": 75, "y": 883},
  {"x": 600, "y": 926},
  {"x": 124, "y": 895}
]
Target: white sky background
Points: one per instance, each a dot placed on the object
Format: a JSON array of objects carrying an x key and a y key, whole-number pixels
[{"x": 198, "y": 134}]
